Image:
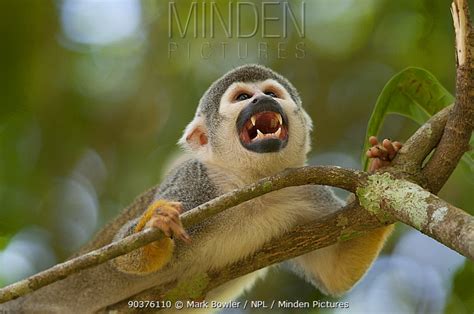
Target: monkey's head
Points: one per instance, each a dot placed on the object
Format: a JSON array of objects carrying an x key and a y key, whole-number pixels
[{"x": 250, "y": 119}]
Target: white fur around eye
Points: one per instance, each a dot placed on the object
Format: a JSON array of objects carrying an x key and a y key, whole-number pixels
[
  {"x": 275, "y": 87},
  {"x": 229, "y": 107}
]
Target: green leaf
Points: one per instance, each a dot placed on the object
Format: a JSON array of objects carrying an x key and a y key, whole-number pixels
[{"x": 414, "y": 93}]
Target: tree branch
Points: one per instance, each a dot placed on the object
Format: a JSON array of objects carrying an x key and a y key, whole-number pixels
[
  {"x": 421, "y": 143},
  {"x": 411, "y": 204},
  {"x": 349, "y": 222},
  {"x": 455, "y": 140},
  {"x": 432, "y": 216},
  {"x": 333, "y": 176},
  {"x": 379, "y": 193}
]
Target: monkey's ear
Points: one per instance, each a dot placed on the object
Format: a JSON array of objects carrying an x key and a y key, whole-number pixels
[{"x": 195, "y": 135}]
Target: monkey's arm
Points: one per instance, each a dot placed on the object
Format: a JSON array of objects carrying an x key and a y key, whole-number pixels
[
  {"x": 337, "y": 268},
  {"x": 186, "y": 187}
]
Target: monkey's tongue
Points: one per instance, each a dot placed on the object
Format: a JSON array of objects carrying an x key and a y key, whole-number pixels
[
  {"x": 263, "y": 125},
  {"x": 266, "y": 122}
]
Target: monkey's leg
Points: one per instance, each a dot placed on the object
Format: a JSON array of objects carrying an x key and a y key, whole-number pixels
[
  {"x": 160, "y": 214},
  {"x": 336, "y": 269}
]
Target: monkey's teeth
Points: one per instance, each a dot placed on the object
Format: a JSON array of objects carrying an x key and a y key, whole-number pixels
[
  {"x": 278, "y": 132},
  {"x": 260, "y": 135},
  {"x": 280, "y": 118},
  {"x": 253, "y": 119}
]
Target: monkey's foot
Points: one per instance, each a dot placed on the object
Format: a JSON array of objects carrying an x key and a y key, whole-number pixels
[{"x": 382, "y": 154}]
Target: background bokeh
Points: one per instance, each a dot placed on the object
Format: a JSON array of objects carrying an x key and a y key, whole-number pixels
[{"x": 92, "y": 104}]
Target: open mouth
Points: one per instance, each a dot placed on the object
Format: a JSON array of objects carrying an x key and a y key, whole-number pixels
[
  {"x": 263, "y": 131},
  {"x": 263, "y": 125}
]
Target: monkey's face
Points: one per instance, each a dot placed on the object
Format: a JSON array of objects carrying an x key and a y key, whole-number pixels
[
  {"x": 261, "y": 123},
  {"x": 261, "y": 127},
  {"x": 257, "y": 127}
]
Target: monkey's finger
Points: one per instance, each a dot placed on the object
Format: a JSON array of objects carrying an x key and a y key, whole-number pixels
[
  {"x": 178, "y": 206},
  {"x": 371, "y": 166},
  {"x": 397, "y": 145},
  {"x": 161, "y": 223},
  {"x": 387, "y": 144},
  {"x": 383, "y": 153},
  {"x": 164, "y": 225},
  {"x": 169, "y": 212},
  {"x": 377, "y": 164},
  {"x": 183, "y": 236},
  {"x": 179, "y": 232},
  {"x": 374, "y": 152},
  {"x": 379, "y": 152},
  {"x": 374, "y": 165},
  {"x": 173, "y": 218},
  {"x": 373, "y": 141}
]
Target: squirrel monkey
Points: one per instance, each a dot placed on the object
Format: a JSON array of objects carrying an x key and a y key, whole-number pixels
[{"x": 249, "y": 124}]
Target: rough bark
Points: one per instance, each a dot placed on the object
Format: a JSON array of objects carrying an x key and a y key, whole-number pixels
[{"x": 457, "y": 133}]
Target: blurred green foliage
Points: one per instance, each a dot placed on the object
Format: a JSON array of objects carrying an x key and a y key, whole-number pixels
[
  {"x": 462, "y": 298},
  {"x": 91, "y": 104},
  {"x": 3, "y": 242}
]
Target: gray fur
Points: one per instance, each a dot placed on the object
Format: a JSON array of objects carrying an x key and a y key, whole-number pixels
[{"x": 189, "y": 183}]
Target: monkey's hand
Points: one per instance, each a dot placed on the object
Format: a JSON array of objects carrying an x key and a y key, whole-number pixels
[
  {"x": 337, "y": 268},
  {"x": 381, "y": 154},
  {"x": 163, "y": 215}
]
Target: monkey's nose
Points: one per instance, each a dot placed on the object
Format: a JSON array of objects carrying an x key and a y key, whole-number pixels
[{"x": 260, "y": 98}]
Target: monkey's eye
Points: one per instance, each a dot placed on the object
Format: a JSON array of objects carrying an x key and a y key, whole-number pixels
[
  {"x": 243, "y": 96},
  {"x": 271, "y": 94}
]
